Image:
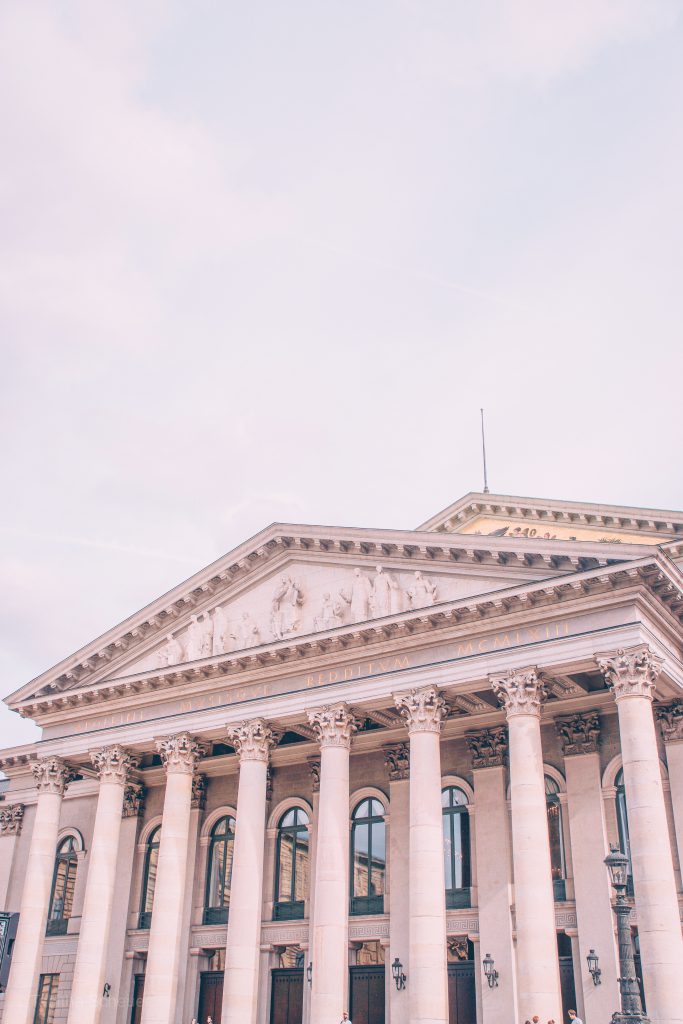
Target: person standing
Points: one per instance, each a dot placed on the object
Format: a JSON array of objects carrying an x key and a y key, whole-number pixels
[{"x": 573, "y": 1017}]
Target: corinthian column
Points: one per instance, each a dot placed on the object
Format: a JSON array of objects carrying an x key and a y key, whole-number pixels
[
  {"x": 632, "y": 675},
  {"x": 538, "y": 977},
  {"x": 11, "y": 820},
  {"x": 334, "y": 725},
  {"x": 670, "y": 717},
  {"x": 253, "y": 742},
  {"x": 179, "y": 754},
  {"x": 112, "y": 765},
  {"x": 52, "y": 776},
  {"x": 423, "y": 711}
]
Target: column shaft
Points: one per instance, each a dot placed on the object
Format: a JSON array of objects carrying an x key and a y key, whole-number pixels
[
  {"x": 240, "y": 992},
  {"x": 594, "y": 915},
  {"x": 11, "y": 819},
  {"x": 494, "y": 871},
  {"x": 397, "y": 761},
  {"x": 179, "y": 754},
  {"x": 423, "y": 711},
  {"x": 20, "y": 998},
  {"x": 93, "y": 942},
  {"x": 538, "y": 976},
  {"x": 330, "y": 945},
  {"x": 632, "y": 675}
]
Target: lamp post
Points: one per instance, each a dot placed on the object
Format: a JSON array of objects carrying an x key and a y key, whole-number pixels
[
  {"x": 490, "y": 971},
  {"x": 631, "y": 1006},
  {"x": 398, "y": 975},
  {"x": 593, "y": 968}
]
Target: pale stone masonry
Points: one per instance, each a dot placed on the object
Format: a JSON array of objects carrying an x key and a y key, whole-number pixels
[{"x": 339, "y": 767}]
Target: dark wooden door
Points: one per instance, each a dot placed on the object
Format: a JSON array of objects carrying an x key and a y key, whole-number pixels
[
  {"x": 287, "y": 996},
  {"x": 366, "y": 995},
  {"x": 210, "y": 996},
  {"x": 138, "y": 989},
  {"x": 462, "y": 997},
  {"x": 567, "y": 986}
]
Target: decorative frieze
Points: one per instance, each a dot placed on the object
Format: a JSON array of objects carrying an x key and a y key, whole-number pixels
[
  {"x": 52, "y": 775},
  {"x": 180, "y": 753},
  {"x": 489, "y": 747},
  {"x": 198, "y": 799},
  {"x": 113, "y": 764},
  {"x": 631, "y": 672},
  {"x": 11, "y": 819},
  {"x": 520, "y": 692},
  {"x": 253, "y": 740},
  {"x": 133, "y": 800},
  {"x": 314, "y": 768},
  {"x": 334, "y": 724},
  {"x": 579, "y": 733},
  {"x": 397, "y": 761},
  {"x": 422, "y": 709},
  {"x": 670, "y": 718}
]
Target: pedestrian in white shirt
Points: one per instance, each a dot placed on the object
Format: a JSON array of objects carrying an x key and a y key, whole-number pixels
[
  {"x": 573, "y": 1018},
  {"x": 345, "y": 1018}
]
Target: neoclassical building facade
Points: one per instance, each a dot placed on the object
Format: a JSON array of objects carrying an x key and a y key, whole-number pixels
[{"x": 366, "y": 770}]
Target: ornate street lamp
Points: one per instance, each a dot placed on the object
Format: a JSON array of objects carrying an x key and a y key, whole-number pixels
[
  {"x": 398, "y": 975},
  {"x": 309, "y": 973},
  {"x": 490, "y": 971},
  {"x": 631, "y": 1006},
  {"x": 593, "y": 969}
]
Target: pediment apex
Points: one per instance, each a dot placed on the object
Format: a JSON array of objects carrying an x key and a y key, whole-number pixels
[{"x": 281, "y": 544}]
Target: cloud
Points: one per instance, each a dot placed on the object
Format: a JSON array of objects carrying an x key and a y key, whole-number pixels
[{"x": 535, "y": 41}]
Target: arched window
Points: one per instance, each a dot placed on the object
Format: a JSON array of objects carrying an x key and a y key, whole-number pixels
[
  {"x": 456, "y": 847},
  {"x": 368, "y": 858},
  {"x": 291, "y": 870},
  {"x": 554, "y": 813},
  {"x": 219, "y": 871},
  {"x": 149, "y": 878},
  {"x": 622, "y": 825},
  {"x": 63, "y": 883}
]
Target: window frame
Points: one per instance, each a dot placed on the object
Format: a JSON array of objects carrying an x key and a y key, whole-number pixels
[
  {"x": 371, "y": 903},
  {"x": 290, "y": 909},
  {"x": 48, "y": 1016},
  {"x": 153, "y": 844},
  {"x": 552, "y": 799},
  {"x": 458, "y": 897},
  {"x": 623, "y": 831},
  {"x": 58, "y": 924},
  {"x": 219, "y": 914}
]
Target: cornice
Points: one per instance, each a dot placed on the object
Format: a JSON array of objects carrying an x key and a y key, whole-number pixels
[
  {"x": 650, "y": 521},
  {"x": 224, "y": 578},
  {"x": 648, "y": 576}
]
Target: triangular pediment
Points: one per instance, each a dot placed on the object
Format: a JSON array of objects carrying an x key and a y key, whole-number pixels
[{"x": 290, "y": 581}]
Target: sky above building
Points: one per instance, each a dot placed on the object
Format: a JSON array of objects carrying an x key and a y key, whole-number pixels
[{"x": 265, "y": 262}]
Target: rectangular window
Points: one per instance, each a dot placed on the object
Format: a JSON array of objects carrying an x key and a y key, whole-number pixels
[{"x": 47, "y": 999}]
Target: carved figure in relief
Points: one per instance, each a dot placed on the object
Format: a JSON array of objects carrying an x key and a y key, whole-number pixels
[
  {"x": 422, "y": 592},
  {"x": 220, "y": 627},
  {"x": 330, "y": 613},
  {"x": 396, "y": 596},
  {"x": 171, "y": 653},
  {"x": 284, "y": 609},
  {"x": 381, "y": 592},
  {"x": 246, "y": 634},
  {"x": 199, "y": 638},
  {"x": 358, "y": 596}
]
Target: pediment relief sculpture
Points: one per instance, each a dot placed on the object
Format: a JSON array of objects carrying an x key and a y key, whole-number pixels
[{"x": 312, "y": 599}]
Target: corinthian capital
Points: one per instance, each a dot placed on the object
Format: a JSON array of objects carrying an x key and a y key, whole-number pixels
[
  {"x": 579, "y": 733},
  {"x": 423, "y": 709},
  {"x": 113, "y": 764},
  {"x": 334, "y": 724},
  {"x": 670, "y": 718},
  {"x": 180, "y": 753},
  {"x": 488, "y": 747},
  {"x": 52, "y": 775},
  {"x": 11, "y": 819},
  {"x": 253, "y": 740},
  {"x": 521, "y": 692},
  {"x": 631, "y": 672}
]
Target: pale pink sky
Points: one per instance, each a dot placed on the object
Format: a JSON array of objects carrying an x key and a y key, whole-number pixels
[{"x": 265, "y": 262}]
